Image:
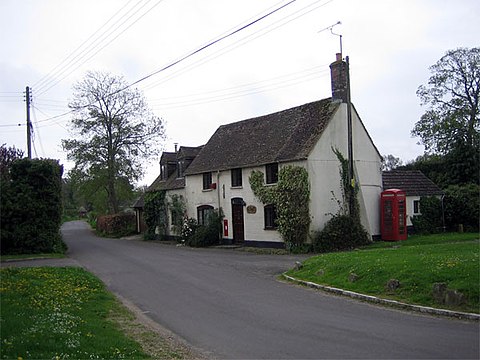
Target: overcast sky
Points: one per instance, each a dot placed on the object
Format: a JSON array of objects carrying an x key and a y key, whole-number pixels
[{"x": 280, "y": 62}]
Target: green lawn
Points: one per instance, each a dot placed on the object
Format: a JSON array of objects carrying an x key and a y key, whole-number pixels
[
  {"x": 60, "y": 313},
  {"x": 417, "y": 263}
]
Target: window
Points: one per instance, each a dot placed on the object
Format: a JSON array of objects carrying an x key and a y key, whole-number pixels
[
  {"x": 236, "y": 177},
  {"x": 203, "y": 212},
  {"x": 207, "y": 181},
  {"x": 180, "y": 169},
  {"x": 270, "y": 215},
  {"x": 272, "y": 173},
  {"x": 416, "y": 206},
  {"x": 163, "y": 172}
]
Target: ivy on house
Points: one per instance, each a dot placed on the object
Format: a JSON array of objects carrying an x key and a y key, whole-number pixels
[
  {"x": 349, "y": 187},
  {"x": 155, "y": 214},
  {"x": 178, "y": 209},
  {"x": 291, "y": 197},
  {"x": 344, "y": 230}
]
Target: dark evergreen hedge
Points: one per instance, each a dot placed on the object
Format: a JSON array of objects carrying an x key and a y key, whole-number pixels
[
  {"x": 462, "y": 206},
  {"x": 341, "y": 232},
  {"x": 31, "y": 207}
]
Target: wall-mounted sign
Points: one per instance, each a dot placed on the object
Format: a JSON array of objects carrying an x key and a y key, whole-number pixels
[{"x": 251, "y": 209}]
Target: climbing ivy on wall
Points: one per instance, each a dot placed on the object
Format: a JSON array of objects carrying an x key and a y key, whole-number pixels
[
  {"x": 178, "y": 208},
  {"x": 349, "y": 188},
  {"x": 155, "y": 214},
  {"x": 291, "y": 197}
]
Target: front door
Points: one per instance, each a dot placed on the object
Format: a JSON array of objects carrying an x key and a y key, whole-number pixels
[{"x": 237, "y": 220}]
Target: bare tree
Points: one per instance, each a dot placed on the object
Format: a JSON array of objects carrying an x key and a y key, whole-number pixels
[{"x": 114, "y": 131}]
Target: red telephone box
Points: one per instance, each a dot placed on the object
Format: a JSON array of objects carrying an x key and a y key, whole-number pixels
[{"x": 393, "y": 215}]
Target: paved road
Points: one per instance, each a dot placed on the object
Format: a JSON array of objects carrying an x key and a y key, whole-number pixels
[{"x": 230, "y": 304}]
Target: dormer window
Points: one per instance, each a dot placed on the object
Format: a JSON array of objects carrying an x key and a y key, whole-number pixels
[
  {"x": 180, "y": 169},
  {"x": 163, "y": 172},
  {"x": 272, "y": 173}
]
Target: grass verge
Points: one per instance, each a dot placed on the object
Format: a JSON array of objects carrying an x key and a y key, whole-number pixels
[
  {"x": 66, "y": 313},
  {"x": 416, "y": 263},
  {"x": 30, "y": 256}
]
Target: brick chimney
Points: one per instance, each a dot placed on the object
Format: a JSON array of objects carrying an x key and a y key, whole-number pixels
[{"x": 338, "y": 71}]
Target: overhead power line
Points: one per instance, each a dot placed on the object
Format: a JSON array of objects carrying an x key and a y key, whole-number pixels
[
  {"x": 235, "y": 94},
  {"x": 65, "y": 61},
  {"x": 206, "y": 46},
  {"x": 261, "y": 32},
  {"x": 103, "y": 40}
]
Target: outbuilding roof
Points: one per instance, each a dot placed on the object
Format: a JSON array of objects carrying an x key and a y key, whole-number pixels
[
  {"x": 413, "y": 182},
  {"x": 279, "y": 137}
]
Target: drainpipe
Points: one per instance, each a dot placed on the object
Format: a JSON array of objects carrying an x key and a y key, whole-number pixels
[
  {"x": 351, "y": 176},
  {"x": 218, "y": 197}
]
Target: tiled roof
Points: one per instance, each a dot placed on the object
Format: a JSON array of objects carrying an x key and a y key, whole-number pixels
[
  {"x": 282, "y": 136},
  {"x": 189, "y": 151},
  {"x": 173, "y": 183},
  {"x": 168, "y": 157},
  {"x": 413, "y": 182}
]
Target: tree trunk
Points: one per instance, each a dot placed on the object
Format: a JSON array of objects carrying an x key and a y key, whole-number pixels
[{"x": 112, "y": 194}]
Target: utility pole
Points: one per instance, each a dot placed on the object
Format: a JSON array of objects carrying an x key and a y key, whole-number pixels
[
  {"x": 351, "y": 176},
  {"x": 29, "y": 124}
]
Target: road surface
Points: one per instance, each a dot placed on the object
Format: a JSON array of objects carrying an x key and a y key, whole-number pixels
[{"x": 231, "y": 305}]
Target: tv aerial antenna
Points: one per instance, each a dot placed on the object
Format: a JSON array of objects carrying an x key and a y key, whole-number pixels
[{"x": 331, "y": 31}]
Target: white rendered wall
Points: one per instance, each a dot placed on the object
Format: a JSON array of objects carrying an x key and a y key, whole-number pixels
[{"x": 324, "y": 172}]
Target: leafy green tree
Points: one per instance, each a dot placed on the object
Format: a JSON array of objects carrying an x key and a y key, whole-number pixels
[
  {"x": 115, "y": 130},
  {"x": 452, "y": 96},
  {"x": 390, "y": 162},
  {"x": 7, "y": 156}
]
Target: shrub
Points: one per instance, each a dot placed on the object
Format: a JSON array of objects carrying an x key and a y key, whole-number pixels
[
  {"x": 204, "y": 235},
  {"x": 430, "y": 221},
  {"x": 116, "y": 225},
  {"x": 341, "y": 232},
  {"x": 189, "y": 227},
  {"x": 92, "y": 219}
]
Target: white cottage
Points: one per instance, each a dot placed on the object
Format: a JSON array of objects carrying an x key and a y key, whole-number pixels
[
  {"x": 304, "y": 136},
  {"x": 416, "y": 185}
]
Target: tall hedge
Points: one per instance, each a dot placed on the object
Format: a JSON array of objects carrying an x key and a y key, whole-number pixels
[
  {"x": 462, "y": 206},
  {"x": 31, "y": 207}
]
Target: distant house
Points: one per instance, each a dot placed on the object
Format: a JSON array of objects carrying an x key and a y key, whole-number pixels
[
  {"x": 217, "y": 177},
  {"x": 171, "y": 179},
  {"x": 415, "y": 184}
]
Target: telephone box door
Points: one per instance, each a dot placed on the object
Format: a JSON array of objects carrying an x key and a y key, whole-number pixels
[{"x": 393, "y": 215}]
